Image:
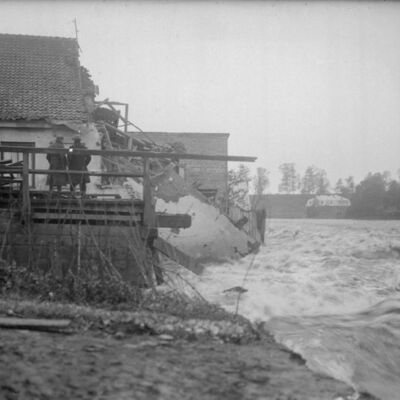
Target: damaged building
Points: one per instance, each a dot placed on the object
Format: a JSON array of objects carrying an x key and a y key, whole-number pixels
[{"x": 45, "y": 93}]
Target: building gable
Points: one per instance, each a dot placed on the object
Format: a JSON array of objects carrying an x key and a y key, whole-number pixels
[{"x": 41, "y": 79}]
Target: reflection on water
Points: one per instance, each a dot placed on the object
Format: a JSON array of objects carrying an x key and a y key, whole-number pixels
[{"x": 328, "y": 289}]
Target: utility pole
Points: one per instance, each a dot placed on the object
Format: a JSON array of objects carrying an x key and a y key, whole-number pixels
[
  {"x": 76, "y": 32},
  {"x": 79, "y": 50}
]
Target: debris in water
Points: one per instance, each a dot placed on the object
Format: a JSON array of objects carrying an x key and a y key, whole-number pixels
[
  {"x": 165, "y": 337},
  {"x": 236, "y": 289}
]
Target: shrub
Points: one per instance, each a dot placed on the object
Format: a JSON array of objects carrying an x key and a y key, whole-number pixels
[{"x": 82, "y": 288}]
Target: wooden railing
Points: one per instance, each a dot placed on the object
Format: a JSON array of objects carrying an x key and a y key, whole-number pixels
[
  {"x": 245, "y": 220},
  {"x": 149, "y": 211}
]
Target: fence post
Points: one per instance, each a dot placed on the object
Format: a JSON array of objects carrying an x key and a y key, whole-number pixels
[
  {"x": 26, "y": 202},
  {"x": 149, "y": 222},
  {"x": 149, "y": 211}
]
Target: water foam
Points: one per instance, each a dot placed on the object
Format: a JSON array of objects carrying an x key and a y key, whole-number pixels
[{"x": 324, "y": 288}]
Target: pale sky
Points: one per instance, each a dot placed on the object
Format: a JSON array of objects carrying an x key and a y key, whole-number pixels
[{"x": 314, "y": 83}]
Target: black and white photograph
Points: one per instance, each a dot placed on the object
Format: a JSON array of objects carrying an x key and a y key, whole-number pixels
[{"x": 199, "y": 200}]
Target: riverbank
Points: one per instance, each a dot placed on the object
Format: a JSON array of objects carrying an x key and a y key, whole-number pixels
[{"x": 145, "y": 354}]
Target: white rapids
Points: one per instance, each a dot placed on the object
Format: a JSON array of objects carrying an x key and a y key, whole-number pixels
[{"x": 327, "y": 289}]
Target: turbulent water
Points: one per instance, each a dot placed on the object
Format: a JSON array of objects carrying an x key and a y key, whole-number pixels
[{"x": 327, "y": 289}]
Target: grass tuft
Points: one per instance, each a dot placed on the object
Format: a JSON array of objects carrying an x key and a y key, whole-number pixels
[{"x": 82, "y": 288}]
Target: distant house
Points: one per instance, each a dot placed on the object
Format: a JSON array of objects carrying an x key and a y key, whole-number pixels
[
  {"x": 301, "y": 205},
  {"x": 282, "y": 205},
  {"x": 209, "y": 177},
  {"x": 327, "y": 206},
  {"x": 44, "y": 92}
]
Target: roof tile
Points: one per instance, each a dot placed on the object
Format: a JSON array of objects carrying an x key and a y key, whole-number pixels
[{"x": 40, "y": 78}]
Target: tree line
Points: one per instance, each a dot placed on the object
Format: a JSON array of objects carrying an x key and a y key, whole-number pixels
[{"x": 376, "y": 196}]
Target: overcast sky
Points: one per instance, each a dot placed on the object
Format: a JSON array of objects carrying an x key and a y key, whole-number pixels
[{"x": 304, "y": 82}]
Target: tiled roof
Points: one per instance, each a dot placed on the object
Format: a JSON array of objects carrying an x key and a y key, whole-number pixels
[{"x": 40, "y": 78}]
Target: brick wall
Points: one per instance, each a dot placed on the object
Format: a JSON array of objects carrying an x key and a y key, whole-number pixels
[{"x": 207, "y": 174}]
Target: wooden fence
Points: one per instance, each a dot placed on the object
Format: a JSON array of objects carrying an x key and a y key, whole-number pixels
[
  {"x": 149, "y": 216},
  {"x": 245, "y": 220}
]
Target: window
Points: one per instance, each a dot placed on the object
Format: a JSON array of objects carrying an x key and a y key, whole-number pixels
[{"x": 18, "y": 156}]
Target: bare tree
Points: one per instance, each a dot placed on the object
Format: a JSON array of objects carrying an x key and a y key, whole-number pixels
[
  {"x": 261, "y": 180},
  {"x": 290, "y": 179},
  {"x": 339, "y": 186},
  {"x": 315, "y": 181},
  {"x": 238, "y": 186}
]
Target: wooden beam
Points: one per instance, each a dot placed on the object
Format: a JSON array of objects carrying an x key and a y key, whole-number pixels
[
  {"x": 178, "y": 256},
  {"x": 105, "y": 101},
  {"x": 34, "y": 324},
  {"x": 42, "y": 197},
  {"x": 125, "y": 120},
  {"x": 83, "y": 217},
  {"x": 125, "y": 134},
  {"x": 71, "y": 172},
  {"x": 128, "y": 153},
  {"x": 26, "y": 201},
  {"x": 6, "y": 180},
  {"x": 9, "y": 170},
  {"x": 25, "y": 124},
  {"x": 173, "y": 220},
  {"x": 149, "y": 219},
  {"x": 101, "y": 207},
  {"x": 130, "y": 138}
]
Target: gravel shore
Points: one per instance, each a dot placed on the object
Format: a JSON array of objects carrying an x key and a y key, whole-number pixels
[{"x": 144, "y": 355}]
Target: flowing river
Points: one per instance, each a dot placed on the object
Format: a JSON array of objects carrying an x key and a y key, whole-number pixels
[{"x": 327, "y": 289}]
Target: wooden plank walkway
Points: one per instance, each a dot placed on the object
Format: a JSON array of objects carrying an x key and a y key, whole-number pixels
[{"x": 65, "y": 208}]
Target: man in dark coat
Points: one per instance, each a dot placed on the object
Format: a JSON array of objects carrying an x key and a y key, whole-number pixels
[
  {"x": 78, "y": 162},
  {"x": 57, "y": 162},
  {"x": 261, "y": 216}
]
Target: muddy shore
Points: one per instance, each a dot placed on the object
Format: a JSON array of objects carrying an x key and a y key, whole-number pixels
[{"x": 147, "y": 355}]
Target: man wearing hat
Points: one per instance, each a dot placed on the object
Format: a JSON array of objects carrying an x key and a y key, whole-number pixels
[
  {"x": 78, "y": 162},
  {"x": 57, "y": 162}
]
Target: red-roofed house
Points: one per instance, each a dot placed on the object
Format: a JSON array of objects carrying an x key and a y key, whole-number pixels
[{"x": 44, "y": 92}]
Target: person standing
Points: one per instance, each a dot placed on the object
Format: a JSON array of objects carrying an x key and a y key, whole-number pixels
[
  {"x": 78, "y": 162},
  {"x": 261, "y": 216},
  {"x": 57, "y": 162}
]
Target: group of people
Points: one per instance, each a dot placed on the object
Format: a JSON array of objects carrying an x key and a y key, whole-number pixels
[{"x": 64, "y": 162}]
